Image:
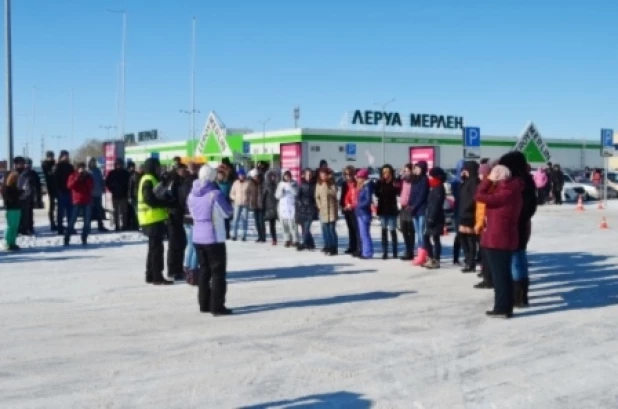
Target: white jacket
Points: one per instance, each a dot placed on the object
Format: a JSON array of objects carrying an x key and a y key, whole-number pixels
[{"x": 286, "y": 194}]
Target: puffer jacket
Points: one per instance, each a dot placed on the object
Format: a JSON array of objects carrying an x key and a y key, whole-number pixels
[
  {"x": 238, "y": 194},
  {"x": 467, "y": 201},
  {"x": 365, "y": 195},
  {"x": 326, "y": 201},
  {"x": 286, "y": 194},
  {"x": 255, "y": 192},
  {"x": 209, "y": 208},
  {"x": 305, "y": 202},
  {"x": 420, "y": 191},
  {"x": 270, "y": 202}
]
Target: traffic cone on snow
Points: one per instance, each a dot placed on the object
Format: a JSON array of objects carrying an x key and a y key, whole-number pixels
[
  {"x": 580, "y": 204},
  {"x": 600, "y": 205},
  {"x": 604, "y": 223}
]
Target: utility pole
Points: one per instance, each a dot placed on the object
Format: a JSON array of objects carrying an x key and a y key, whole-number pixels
[
  {"x": 384, "y": 131},
  {"x": 193, "y": 86},
  {"x": 296, "y": 116},
  {"x": 123, "y": 71},
  {"x": 9, "y": 84},
  {"x": 264, "y": 122}
]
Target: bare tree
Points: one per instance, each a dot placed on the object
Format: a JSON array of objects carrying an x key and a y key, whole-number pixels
[{"x": 90, "y": 148}]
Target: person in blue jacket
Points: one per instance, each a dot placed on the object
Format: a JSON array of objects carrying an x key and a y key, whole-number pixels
[
  {"x": 363, "y": 212},
  {"x": 418, "y": 206},
  {"x": 455, "y": 185}
]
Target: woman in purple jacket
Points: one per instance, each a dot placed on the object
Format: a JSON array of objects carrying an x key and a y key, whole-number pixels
[{"x": 209, "y": 208}]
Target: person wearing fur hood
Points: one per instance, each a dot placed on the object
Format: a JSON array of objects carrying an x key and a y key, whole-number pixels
[
  {"x": 270, "y": 202},
  {"x": 209, "y": 208}
]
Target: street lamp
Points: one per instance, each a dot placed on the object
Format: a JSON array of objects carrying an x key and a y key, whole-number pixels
[
  {"x": 264, "y": 122},
  {"x": 107, "y": 128},
  {"x": 123, "y": 70},
  {"x": 191, "y": 114},
  {"x": 384, "y": 105},
  {"x": 9, "y": 83}
]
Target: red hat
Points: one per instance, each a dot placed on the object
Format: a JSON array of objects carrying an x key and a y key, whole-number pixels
[{"x": 362, "y": 174}]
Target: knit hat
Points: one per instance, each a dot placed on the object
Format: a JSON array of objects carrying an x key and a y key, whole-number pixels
[
  {"x": 241, "y": 172},
  {"x": 207, "y": 174},
  {"x": 484, "y": 170},
  {"x": 500, "y": 173},
  {"x": 362, "y": 174}
]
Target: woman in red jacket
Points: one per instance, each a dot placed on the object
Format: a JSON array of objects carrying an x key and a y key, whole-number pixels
[
  {"x": 502, "y": 196},
  {"x": 80, "y": 184},
  {"x": 349, "y": 196}
]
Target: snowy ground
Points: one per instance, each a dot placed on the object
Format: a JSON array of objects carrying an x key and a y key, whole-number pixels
[{"x": 80, "y": 329}]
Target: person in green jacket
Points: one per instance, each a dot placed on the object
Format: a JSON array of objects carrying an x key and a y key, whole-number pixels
[{"x": 225, "y": 186}]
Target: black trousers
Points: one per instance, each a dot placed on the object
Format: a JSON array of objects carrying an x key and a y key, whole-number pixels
[
  {"x": 121, "y": 213},
  {"x": 176, "y": 245},
  {"x": 52, "y": 210},
  {"x": 259, "y": 224},
  {"x": 228, "y": 223},
  {"x": 132, "y": 223},
  {"x": 407, "y": 231},
  {"x": 557, "y": 196},
  {"x": 499, "y": 263},
  {"x": 456, "y": 247},
  {"x": 434, "y": 251},
  {"x": 350, "y": 221},
  {"x": 26, "y": 223},
  {"x": 487, "y": 278},
  {"x": 469, "y": 243},
  {"x": 212, "y": 281},
  {"x": 154, "y": 260}
]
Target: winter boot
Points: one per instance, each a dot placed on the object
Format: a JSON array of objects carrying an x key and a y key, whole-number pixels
[
  {"x": 518, "y": 294},
  {"x": 421, "y": 257},
  {"x": 525, "y": 286},
  {"x": 394, "y": 243},
  {"x": 432, "y": 264},
  {"x": 384, "y": 244}
]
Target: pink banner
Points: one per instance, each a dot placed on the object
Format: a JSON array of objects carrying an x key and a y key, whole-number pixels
[
  {"x": 109, "y": 152},
  {"x": 423, "y": 153},
  {"x": 291, "y": 156}
]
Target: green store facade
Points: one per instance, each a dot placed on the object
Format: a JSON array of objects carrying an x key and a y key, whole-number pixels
[{"x": 361, "y": 148}]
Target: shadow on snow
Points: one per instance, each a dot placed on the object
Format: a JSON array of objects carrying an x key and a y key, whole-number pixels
[
  {"x": 321, "y": 401},
  {"x": 581, "y": 280},
  {"x": 277, "y": 273},
  {"x": 320, "y": 302}
]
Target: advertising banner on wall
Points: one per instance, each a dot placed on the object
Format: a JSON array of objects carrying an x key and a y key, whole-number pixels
[
  {"x": 112, "y": 150},
  {"x": 428, "y": 154},
  {"x": 291, "y": 158}
]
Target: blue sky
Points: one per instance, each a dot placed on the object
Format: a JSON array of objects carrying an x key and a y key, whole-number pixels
[{"x": 497, "y": 63}]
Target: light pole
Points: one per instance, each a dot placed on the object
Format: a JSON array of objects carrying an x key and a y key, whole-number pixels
[
  {"x": 123, "y": 70},
  {"x": 264, "y": 122},
  {"x": 107, "y": 128},
  {"x": 193, "y": 111},
  {"x": 191, "y": 114},
  {"x": 384, "y": 105},
  {"x": 9, "y": 84}
]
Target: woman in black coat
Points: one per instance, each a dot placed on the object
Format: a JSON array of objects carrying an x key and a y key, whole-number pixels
[
  {"x": 270, "y": 202},
  {"x": 306, "y": 210},
  {"x": 387, "y": 189},
  {"x": 434, "y": 217},
  {"x": 467, "y": 214}
]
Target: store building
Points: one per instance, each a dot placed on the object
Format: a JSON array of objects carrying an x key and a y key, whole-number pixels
[{"x": 304, "y": 147}]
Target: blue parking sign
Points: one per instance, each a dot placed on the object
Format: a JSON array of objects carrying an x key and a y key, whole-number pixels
[
  {"x": 607, "y": 137},
  {"x": 350, "y": 151},
  {"x": 472, "y": 137}
]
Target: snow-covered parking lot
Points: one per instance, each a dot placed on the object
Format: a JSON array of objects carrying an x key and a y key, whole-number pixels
[{"x": 81, "y": 329}]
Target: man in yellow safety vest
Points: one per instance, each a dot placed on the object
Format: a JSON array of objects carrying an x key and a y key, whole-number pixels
[{"x": 152, "y": 215}]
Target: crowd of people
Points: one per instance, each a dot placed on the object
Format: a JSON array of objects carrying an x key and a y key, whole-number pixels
[
  {"x": 549, "y": 182},
  {"x": 199, "y": 208}
]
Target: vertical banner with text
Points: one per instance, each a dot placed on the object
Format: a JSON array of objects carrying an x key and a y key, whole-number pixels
[{"x": 291, "y": 158}]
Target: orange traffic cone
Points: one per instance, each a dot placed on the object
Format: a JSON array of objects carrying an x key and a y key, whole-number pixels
[
  {"x": 604, "y": 223},
  {"x": 580, "y": 204},
  {"x": 600, "y": 205}
]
